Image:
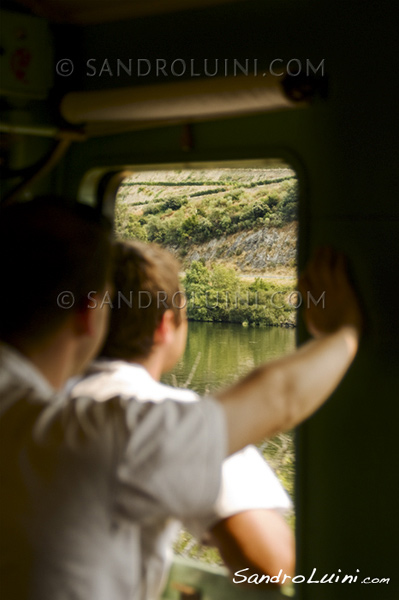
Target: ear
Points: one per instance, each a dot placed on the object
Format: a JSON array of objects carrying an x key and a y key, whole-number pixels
[
  {"x": 83, "y": 320},
  {"x": 165, "y": 330},
  {"x": 85, "y": 317}
]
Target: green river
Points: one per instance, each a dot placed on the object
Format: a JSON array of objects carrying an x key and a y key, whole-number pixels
[{"x": 218, "y": 353}]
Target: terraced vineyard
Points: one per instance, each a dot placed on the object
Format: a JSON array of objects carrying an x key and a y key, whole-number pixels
[
  {"x": 234, "y": 231},
  {"x": 243, "y": 217}
]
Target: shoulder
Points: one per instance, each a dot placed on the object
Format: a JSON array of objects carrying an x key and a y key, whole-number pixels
[{"x": 106, "y": 379}]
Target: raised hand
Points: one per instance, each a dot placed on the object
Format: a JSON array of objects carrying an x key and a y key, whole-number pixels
[{"x": 330, "y": 301}]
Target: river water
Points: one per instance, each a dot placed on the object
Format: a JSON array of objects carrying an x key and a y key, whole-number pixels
[{"x": 218, "y": 353}]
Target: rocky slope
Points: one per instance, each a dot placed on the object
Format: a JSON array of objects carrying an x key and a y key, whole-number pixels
[{"x": 269, "y": 250}]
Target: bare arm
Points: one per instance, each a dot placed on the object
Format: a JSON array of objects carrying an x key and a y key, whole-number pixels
[
  {"x": 259, "y": 540},
  {"x": 281, "y": 394}
]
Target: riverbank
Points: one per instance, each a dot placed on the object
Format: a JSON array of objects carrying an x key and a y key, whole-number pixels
[{"x": 218, "y": 294}]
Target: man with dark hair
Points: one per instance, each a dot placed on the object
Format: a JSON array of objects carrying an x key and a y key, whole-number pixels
[
  {"x": 53, "y": 255},
  {"x": 148, "y": 308}
]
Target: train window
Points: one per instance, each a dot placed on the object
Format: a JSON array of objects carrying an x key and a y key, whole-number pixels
[{"x": 234, "y": 230}]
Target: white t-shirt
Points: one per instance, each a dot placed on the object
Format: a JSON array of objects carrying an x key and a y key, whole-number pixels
[
  {"x": 80, "y": 479},
  {"x": 247, "y": 480}
]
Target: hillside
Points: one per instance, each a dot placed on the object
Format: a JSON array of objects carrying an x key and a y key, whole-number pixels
[
  {"x": 267, "y": 251},
  {"x": 243, "y": 218}
]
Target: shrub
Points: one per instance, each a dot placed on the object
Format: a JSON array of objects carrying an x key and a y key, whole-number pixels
[
  {"x": 135, "y": 230},
  {"x": 289, "y": 204},
  {"x": 155, "y": 230},
  {"x": 218, "y": 294}
]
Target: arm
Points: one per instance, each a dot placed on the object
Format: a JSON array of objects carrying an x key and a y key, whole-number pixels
[
  {"x": 281, "y": 394},
  {"x": 258, "y": 539},
  {"x": 246, "y": 523}
]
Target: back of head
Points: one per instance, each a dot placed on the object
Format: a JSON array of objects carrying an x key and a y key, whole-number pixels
[
  {"x": 49, "y": 246},
  {"x": 146, "y": 281}
]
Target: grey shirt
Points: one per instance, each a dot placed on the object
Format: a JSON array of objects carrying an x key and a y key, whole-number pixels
[{"x": 79, "y": 478}]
